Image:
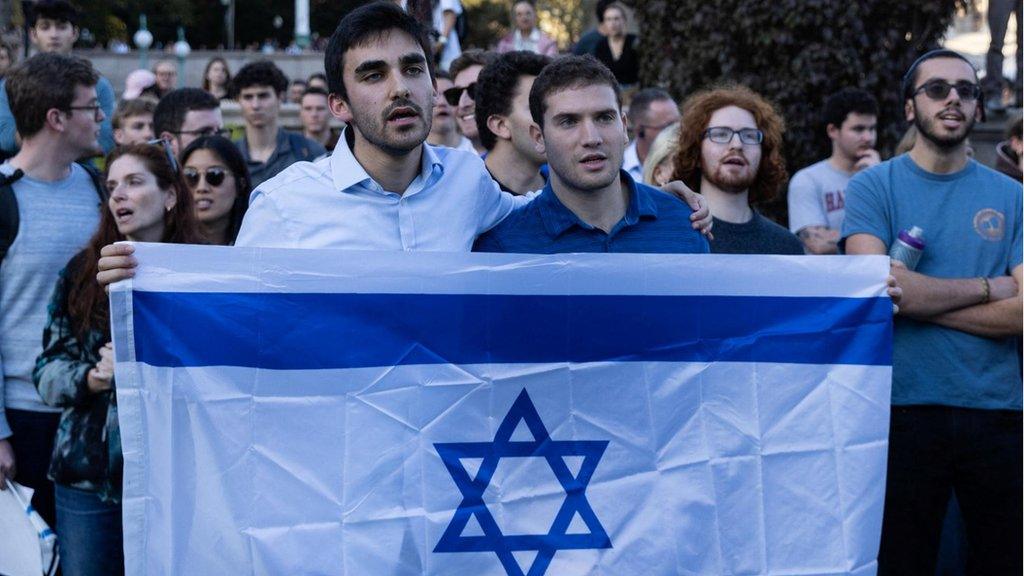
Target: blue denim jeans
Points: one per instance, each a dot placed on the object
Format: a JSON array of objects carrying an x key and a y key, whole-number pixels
[
  {"x": 937, "y": 451},
  {"x": 90, "y": 535}
]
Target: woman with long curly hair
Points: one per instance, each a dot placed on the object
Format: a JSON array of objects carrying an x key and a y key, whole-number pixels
[
  {"x": 730, "y": 151},
  {"x": 148, "y": 202}
]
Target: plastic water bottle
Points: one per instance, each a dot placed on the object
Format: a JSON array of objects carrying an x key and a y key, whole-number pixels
[{"x": 908, "y": 247}]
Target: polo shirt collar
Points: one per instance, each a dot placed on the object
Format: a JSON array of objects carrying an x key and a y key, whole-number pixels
[
  {"x": 557, "y": 218},
  {"x": 347, "y": 172}
]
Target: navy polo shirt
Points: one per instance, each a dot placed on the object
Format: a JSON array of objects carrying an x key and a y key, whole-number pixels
[{"x": 654, "y": 223}]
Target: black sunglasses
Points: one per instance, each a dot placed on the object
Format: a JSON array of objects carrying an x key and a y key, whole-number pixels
[
  {"x": 939, "y": 89},
  {"x": 214, "y": 176},
  {"x": 452, "y": 95}
]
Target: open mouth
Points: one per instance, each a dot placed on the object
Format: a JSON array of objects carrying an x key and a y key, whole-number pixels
[
  {"x": 734, "y": 161},
  {"x": 403, "y": 115},
  {"x": 123, "y": 214},
  {"x": 593, "y": 161},
  {"x": 951, "y": 118},
  {"x": 203, "y": 203}
]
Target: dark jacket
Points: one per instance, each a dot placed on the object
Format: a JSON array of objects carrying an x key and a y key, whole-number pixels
[{"x": 87, "y": 449}]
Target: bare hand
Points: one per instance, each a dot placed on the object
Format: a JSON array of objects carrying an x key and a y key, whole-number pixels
[
  {"x": 867, "y": 159},
  {"x": 7, "y": 468},
  {"x": 895, "y": 293},
  {"x": 820, "y": 239},
  {"x": 701, "y": 218},
  {"x": 116, "y": 263},
  {"x": 100, "y": 376},
  {"x": 1001, "y": 288}
]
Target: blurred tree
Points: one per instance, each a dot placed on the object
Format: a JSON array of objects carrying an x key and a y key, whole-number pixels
[{"x": 796, "y": 52}]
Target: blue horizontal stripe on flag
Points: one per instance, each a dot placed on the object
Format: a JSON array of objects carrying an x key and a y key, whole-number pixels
[{"x": 293, "y": 331}]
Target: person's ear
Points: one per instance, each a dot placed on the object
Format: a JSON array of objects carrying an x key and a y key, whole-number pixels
[
  {"x": 498, "y": 125},
  {"x": 538, "y": 138},
  {"x": 833, "y": 131},
  {"x": 909, "y": 110},
  {"x": 339, "y": 108}
]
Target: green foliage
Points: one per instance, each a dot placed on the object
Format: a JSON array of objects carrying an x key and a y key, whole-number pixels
[{"x": 796, "y": 52}]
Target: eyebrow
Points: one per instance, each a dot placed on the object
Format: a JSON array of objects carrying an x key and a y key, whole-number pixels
[
  {"x": 412, "y": 58},
  {"x": 404, "y": 60}
]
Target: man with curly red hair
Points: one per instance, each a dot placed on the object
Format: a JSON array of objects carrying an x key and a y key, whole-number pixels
[{"x": 730, "y": 151}]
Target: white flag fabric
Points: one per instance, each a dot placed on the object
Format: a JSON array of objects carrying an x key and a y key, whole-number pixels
[{"x": 348, "y": 413}]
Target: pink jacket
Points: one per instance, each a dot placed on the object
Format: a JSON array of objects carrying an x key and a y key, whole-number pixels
[{"x": 545, "y": 45}]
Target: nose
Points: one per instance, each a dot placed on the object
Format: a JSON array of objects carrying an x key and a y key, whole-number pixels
[
  {"x": 735, "y": 142},
  {"x": 590, "y": 135},
  {"x": 465, "y": 101},
  {"x": 399, "y": 89}
]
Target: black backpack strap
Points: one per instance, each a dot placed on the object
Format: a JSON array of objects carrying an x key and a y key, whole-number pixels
[
  {"x": 97, "y": 180},
  {"x": 9, "y": 218}
]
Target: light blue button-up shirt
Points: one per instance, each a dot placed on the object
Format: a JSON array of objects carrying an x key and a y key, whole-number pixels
[{"x": 333, "y": 203}]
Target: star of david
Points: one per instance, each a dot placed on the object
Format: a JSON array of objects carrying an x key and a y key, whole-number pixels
[{"x": 542, "y": 446}]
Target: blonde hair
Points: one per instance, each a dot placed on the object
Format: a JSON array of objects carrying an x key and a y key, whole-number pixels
[{"x": 663, "y": 148}]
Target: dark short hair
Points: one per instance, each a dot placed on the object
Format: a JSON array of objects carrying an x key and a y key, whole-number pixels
[
  {"x": 910, "y": 78},
  {"x": 59, "y": 10},
  {"x": 261, "y": 73},
  {"x": 171, "y": 110},
  {"x": 316, "y": 76},
  {"x": 42, "y": 83},
  {"x": 229, "y": 154},
  {"x": 846, "y": 101},
  {"x": 642, "y": 101},
  {"x": 366, "y": 24},
  {"x": 314, "y": 90},
  {"x": 471, "y": 57},
  {"x": 599, "y": 9},
  {"x": 568, "y": 72},
  {"x": 496, "y": 87},
  {"x": 442, "y": 75},
  {"x": 129, "y": 108}
]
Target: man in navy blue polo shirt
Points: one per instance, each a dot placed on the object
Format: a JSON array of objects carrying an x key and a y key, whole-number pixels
[{"x": 589, "y": 204}]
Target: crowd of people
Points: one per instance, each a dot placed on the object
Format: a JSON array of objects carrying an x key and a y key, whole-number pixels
[{"x": 512, "y": 150}]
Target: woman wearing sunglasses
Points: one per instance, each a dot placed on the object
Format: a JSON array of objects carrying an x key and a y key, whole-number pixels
[
  {"x": 147, "y": 203},
  {"x": 215, "y": 172}
]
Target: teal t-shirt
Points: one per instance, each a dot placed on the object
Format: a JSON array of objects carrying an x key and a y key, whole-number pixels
[{"x": 972, "y": 228}]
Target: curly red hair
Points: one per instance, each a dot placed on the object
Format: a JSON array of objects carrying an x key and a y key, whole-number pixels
[{"x": 697, "y": 111}]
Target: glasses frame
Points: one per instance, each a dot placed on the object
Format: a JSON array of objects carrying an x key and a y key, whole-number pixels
[
  {"x": 757, "y": 131},
  {"x": 455, "y": 93},
  {"x": 96, "y": 110},
  {"x": 222, "y": 132},
  {"x": 168, "y": 151},
  {"x": 945, "y": 87},
  {"x": 187, "y": 173}
]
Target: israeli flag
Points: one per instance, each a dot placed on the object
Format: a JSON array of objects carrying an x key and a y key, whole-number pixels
[{"x": 347, "y": 413}]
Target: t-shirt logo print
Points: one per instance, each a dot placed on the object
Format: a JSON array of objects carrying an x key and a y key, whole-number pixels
[{"x": 990, "y": 224}]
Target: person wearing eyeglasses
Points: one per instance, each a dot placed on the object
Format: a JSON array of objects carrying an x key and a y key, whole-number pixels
[
  {"x": 53, "y": 28},
  {"x": 650, "y": 111},
  {"x": 49, "y": 206},
  {"x": 464, "y": 71},
  {"x": 215, "y": 173},
  {"x": 956, "y": 381},
  {"x": 147, "y": 202},
  {"x": 185, "y": 114},
  {"x": 730, "y": 151}
]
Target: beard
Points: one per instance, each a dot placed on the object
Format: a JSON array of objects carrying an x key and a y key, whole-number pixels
[
  {"x": 926, "y": 128},
  {"x": 394, "y": 142},
  {"x": 735, "y": 183}
]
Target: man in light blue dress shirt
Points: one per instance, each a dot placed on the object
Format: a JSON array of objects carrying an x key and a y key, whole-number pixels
[{"x": 382, "y": 188}]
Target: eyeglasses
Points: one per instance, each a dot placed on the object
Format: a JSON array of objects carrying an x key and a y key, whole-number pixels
[
  {"x": 214, "y": 176},
  {"x": 723, "y": 135},
  {"x": 96, "y": 110},
  {"x": 939, "y": 89},
  {"x": 453, "y": 95},
  {"x": 167, "y": 151},
  {"x": 208, "y": 131}
]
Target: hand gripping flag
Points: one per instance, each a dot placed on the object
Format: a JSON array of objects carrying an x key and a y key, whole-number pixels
[{"x": 346, "y": 413}]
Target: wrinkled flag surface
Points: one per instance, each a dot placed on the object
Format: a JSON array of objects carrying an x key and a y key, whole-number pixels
[{"x": 329, "y": 412}]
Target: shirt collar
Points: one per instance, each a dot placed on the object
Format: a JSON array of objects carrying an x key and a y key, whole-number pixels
[
  {"x": 630, "y": 158},
  {"x": 282, "y": 144},
  {"x": 557, "y": 218},
  {"x": 347, "y": 172}
]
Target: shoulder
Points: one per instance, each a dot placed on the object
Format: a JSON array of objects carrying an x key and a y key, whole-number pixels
[
  {"x": 876, "y": 177},
  {"x": 297, "y": 179},
  {"x": 460, "y": 163},
  {"x": 785, "y": 241},
  {"x": 668, "y": 206},
  {"x": 997, "y": 180},
  {"x": 807, "y": 175}
]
